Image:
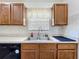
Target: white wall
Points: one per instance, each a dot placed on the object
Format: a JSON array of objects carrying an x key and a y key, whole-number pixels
[
  {"x": 72, "y": 29},
  {"x": 73, "y": 7},
  {"x": 13, "y": 30}
]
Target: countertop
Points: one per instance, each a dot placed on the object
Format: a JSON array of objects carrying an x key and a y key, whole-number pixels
[{"x": 23, "y": 39}]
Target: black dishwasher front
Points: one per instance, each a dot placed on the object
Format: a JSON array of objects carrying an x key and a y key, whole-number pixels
[{"x": 9, "y": 51}]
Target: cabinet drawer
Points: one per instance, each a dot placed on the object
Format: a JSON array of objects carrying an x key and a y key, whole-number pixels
[
  {"x": 47, "y": 46},
  {"x": 67, "y": 46},
  {"x": 29, "y": 46}
]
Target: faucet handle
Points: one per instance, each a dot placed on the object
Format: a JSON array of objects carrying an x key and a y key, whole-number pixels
[
  {"x": 29, "y": 38},
  {"x": 46, "y": 35},
  {"x": 31, "y": 35}
]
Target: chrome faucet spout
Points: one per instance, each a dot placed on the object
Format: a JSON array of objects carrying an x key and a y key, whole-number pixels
[
  {"x": 39, "y": 33},
  {"x": 38, "y": 36}
]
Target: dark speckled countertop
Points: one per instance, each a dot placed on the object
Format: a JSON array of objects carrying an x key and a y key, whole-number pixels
[{"x": 62, "y": 38}]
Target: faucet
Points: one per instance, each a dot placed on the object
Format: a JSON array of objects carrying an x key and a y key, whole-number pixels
[{"x": 38, "y": 36}]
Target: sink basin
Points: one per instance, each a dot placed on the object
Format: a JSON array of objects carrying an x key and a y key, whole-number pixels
[
  {"x": 40, "y": 38},
  {"x": 43, "y": 39}
]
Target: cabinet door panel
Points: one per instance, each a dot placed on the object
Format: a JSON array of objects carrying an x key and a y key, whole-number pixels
[
  {"x": 66, "y": 54},
  {"x": 4, "y": 14},
  {"x": 47, "y": 51},
  {"x": 17, "y": 14},
  {"x": 60, "y": 14},
  {"x": 47, "y": 54},
  {"x": 29, "y": 54}
]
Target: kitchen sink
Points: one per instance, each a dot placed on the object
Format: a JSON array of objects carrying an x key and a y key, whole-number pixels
[{"x": 42, "y": 39}]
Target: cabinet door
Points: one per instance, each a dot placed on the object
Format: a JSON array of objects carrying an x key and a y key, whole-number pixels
[
  {"x": 29, "y": 51},
  {"x": 4, "y": 14},
  {"x": 60, "y": 14},
  {"x": 66, "y": 54},
  {"x": 47, "y": 51},
  {"x": 29, "y": 54},
  {"x": 47, "y": 54},
  {"x": 17, "y": 13}
]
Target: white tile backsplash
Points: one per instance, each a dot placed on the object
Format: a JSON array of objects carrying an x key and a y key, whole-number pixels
[
  {"x": 13, "y": 30},
  {"x": 19, "y": 30}
]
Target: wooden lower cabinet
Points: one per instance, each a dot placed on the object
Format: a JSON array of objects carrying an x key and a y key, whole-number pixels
[
  {"x": 48, "y": 51},
  {"x": 29, "y": 51},
  {"x": 29, "y": 54},
  {"x": 67, "y": 51},
  {"x": 66, "y": 54},
  {"x": 47, "y": 54}
]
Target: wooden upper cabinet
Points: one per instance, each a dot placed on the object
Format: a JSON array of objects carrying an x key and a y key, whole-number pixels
[
  {"x": 60, "y": 14},
  {"x": 12, "y": 14},
  {"x": 17, "y": 13},
  {"x": 4, "y": 14}
]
